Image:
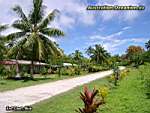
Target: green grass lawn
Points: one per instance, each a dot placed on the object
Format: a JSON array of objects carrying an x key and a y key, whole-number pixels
[
  {"x": 14, "y": 84},
  {"x": 128, "y": 97}
]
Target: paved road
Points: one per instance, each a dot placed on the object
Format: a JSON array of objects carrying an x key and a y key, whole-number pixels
[{"x": 33, "y": 94}]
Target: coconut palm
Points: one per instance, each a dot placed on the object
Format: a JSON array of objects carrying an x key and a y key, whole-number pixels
[
  {"x": 77, "y": 55},
  {"x": 147, "y": 45},
  {"x": 2, "y": 47},
  {"x": 34, "y": 33},
  {"x": 98, "y": 54}
]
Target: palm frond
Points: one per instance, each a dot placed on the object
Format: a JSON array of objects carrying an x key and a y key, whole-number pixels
[
  {"x": 52, "y": 32},
  {"x": 51, "y": 47},
  {"x": 37, "y": 13},
  {"x": 17, "y": 49},
  {"x": 22, "y": 25},
  {"x": 3, "y": 27},
  {"x": 14, "y": 36},
  {"x": 41, "y": 49},
  {"x": 48, "y": 19},
  {"x": 20, "y": 12}
]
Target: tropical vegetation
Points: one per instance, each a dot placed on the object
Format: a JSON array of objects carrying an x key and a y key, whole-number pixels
[{"x": 32, "y": 41}]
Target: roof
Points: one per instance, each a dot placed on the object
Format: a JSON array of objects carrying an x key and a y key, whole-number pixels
[
  {"x": 23, "y": 62},
  {"x": 65, "y": 65},
  {"x": 69, "y": 64}
]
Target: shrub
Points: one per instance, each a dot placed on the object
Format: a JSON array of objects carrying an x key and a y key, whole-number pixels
[
  {"x": 2, "y": 71},
  {"x": 69, "y": 71},
  {"x": 44, "y": 72},
  {"x": 103, "y": 92},
  {"x": 147, "y": 86},
  {"x": 5, "y": 73},
  {"x": 116, "y": 74},
  {"x": 123, "y": 74},
  {"x": 97, "y": 68},
  {"x": 91, "y": 104},
  {"x": 77, "y": 71}
]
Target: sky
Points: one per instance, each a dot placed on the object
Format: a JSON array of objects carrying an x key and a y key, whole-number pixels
[{"x": 114, "y": 30}]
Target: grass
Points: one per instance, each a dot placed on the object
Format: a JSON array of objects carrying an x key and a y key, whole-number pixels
[
  {"x": 128, "y": 97},
  {"x": 63, "y": 103},
  {"x": 6, "y": 85}
]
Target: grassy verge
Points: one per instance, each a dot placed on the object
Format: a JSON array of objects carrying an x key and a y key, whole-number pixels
[
  {"x": 128, "y": 97},
  {"x": 63, "y": 103},
  {"x": 6, "y": 85}
]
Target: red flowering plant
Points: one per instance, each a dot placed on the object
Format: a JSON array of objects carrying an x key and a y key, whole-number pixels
[{"x": 91, "y": 104}]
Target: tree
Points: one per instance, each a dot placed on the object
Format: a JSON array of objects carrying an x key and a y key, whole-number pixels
[
  {"x": 2, "y": 47},
  {"x": 34, "y": 33},
  {"x": 98, "y": 54},
  {"x": 134, "y": 55},
  {"x": 147, "y": 45},
  {"x": 133, "y": 50},
  {"x": 77, "y": 57}
]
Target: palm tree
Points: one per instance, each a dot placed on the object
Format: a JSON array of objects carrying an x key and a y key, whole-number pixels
[
  {"x": 2, "y": 47},
  {"x": 34, "y": 33},
  {"x": 147, "y": 45},
  {"x": 77, "y": 57},
  {"x": 98, "y": 54}
]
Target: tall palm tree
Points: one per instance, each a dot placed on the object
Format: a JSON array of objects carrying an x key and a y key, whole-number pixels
[
  {"x": 77, "y": 55},
  {"x": 98, "y": 54},
  {"x": 34, "y": 33},
  {"x": 147, "y": 45},
  {"x": 2, "y": 47}
]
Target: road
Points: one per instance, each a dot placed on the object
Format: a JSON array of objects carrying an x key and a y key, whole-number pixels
[{"x": 33, "y": 94}]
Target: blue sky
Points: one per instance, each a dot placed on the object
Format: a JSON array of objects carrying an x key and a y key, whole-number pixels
[{"x": 115, "y": 30}]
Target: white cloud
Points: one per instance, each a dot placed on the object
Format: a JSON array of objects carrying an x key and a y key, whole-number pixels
[
  {"x": 72, "y": 11},
  {"x": 114, "y": 41},
  {"x": 138, "y": 40},
  {"x": 108, "y": 37},
  {"x": 126, "y": 28}
]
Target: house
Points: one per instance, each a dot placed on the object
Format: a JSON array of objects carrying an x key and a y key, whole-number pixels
[{"x": 24, "y": 65}]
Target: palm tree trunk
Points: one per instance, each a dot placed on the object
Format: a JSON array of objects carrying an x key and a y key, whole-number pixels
[
  {"x": 32, "y": 69},
  {"x": 17, "y": 68}
]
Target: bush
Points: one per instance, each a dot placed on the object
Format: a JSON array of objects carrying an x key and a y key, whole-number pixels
[
  {"x": 97, "y": 68},
  {"x": 103, "y": 92},
  {"x": 124, "y": 63},
  {"x": 2, "y": 71},
  {"x": 116, "y": 75},
  {"x": 44, "y": 71},
  {"x": 77, "y": 71},
  {"x": 91, "y": 104},
  {"x": 5, "y": 73},
  {"x": 123, "y": 74},
  {"x": 69, "y": 71},
  {"x": 147, "y": 86}
]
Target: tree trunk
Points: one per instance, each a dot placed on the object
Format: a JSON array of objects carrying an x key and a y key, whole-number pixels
[
  {"x": 32, "y": 69},
  {"x": 59, "y": 71},
  {"x": 17, "y": 68}
]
